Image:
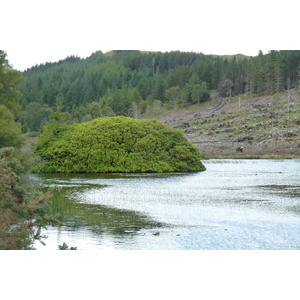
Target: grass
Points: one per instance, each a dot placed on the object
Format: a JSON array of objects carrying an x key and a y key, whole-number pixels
[{"x": 241, "y": 98}]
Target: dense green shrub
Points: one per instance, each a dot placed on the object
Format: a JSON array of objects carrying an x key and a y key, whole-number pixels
[
  {"x": 117, "y": 144},
  {"x": 10, "y": 131}
]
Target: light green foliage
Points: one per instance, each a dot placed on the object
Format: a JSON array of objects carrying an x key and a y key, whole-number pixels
[
  {"x": 10, "y": 80},
  {"x": 228, "y": 84},
  {"x": 117, "y": 144},
  {"x": 10, "y": 83},
  {"x": 10, "y": 131},
  {"x": 173, "y": 94},
  {"x": 200, "y": 92}
]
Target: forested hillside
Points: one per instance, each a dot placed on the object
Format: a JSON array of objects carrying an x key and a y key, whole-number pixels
[{"x": 146, "y": 84}]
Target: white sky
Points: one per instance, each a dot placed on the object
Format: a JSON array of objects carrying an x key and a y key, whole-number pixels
[{"x": 39, "y": 31}]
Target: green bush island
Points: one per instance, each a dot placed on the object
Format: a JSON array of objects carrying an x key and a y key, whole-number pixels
[{"x": 116, "y": 144}]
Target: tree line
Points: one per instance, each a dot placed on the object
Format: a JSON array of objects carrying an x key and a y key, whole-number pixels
[{"x": 142, "y": 84}]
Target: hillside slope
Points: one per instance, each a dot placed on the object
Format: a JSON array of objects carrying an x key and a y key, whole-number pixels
[{"x": 263, "y": 126}]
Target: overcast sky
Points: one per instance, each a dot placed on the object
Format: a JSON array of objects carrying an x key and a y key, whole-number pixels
[{"x": 39, "y": 31}]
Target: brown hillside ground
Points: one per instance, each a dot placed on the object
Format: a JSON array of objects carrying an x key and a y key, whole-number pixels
[{"x": 242, "y": 126}]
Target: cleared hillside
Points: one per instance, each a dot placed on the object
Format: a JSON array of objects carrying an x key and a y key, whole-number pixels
[{"x": 264, "y": 126}]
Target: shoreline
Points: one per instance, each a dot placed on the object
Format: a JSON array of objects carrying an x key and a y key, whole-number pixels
[{"x": 250, "y": 156}]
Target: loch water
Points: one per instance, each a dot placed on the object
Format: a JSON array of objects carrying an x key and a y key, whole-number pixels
[{"x": 233, "y": 205}]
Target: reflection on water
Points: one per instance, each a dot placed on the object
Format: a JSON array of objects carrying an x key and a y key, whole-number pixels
[{"x": 235, "y": 204}]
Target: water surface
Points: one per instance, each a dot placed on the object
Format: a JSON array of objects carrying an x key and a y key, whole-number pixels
[{"x": 234, "y": 204}]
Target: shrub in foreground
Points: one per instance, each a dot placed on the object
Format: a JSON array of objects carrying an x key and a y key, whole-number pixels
[{"x": 24, "y": 209}]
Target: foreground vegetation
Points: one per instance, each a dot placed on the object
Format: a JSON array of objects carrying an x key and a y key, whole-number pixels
[
  {"x": 24, "y": 209},
  {"x": 117, "y": 144}
]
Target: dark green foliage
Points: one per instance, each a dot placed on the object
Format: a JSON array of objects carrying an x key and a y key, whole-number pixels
[
  {"x": 65, "y": 246},
  {"x": 34, "y": 116},
  {"x": 117, "y": 144},
  {"x": 128, "y": 82}
]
